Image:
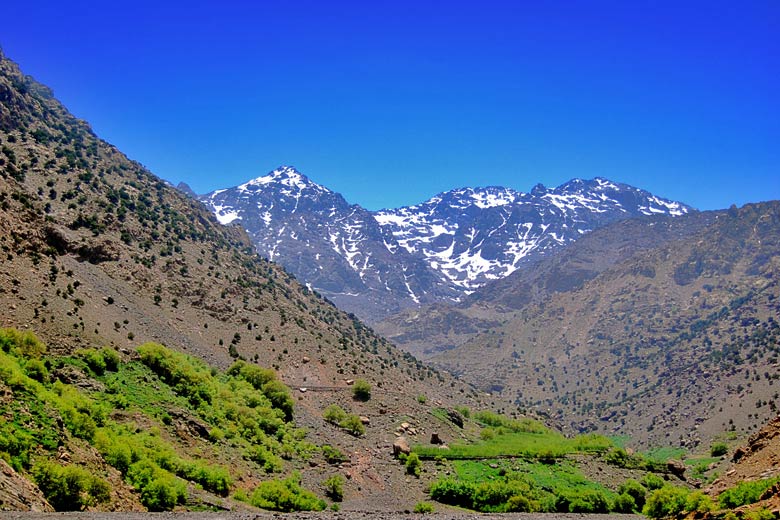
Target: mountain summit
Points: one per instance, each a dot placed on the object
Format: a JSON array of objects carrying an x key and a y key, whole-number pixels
[{"x": 377, "y": 263}]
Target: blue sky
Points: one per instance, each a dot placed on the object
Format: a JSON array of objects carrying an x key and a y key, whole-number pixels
[{"x": 390, "y": 103}]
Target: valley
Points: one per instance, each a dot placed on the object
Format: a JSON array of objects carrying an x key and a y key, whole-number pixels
[{"x": 590, "y": 348}]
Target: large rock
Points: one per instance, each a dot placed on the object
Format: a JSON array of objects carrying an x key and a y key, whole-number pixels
[
  {"x": 401, "y": 445},
  {"x": 19, "y": 494}
]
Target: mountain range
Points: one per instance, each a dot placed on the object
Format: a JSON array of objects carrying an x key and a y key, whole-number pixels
[
  {"x": 657, "y": 328},
  {"x": 377, "y": 263}
]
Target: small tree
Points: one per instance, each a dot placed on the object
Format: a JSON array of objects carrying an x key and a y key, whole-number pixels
[
  {"x": 334, "y": 488},
  {"x": 413, "y": 465},
  {"x": 361, "y": 390}
]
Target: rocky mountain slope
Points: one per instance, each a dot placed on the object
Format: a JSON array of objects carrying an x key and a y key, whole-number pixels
[
  {"x": 98, "y": 252},
  {"x": 377, "y": 263},
  {"x": 661, "y": 329}
]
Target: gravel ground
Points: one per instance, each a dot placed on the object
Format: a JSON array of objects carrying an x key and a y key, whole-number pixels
[{"x": 347, "y": 515}]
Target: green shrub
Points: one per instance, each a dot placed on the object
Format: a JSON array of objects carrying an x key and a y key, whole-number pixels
[
  {"x": 672, "y": 501},
  {"x": 160, "y": 490},
  {"x": 519, "y": 504},
  {"x": 413, "y": 465},
  {"x": 745, "y": 493},
  {"x": 624, "y": 503},
  {"x": 589, "y": 502},
  {"x": 270, "y": 462},
  {"x": 334, "y": 488},
  {"x": 453, "y": 492},
  {"x": 16, "y": 445},
  {"x": 280, "y": 397},
  {"x": 22, "y": 343},
  {"x": 94, "y": 360},
  {"x": 70, "y": 488},
  {"x": 719, "y": 449},
  {"x": 423, "y": 508},
  {"x": 253, "y": 374},
  {"x": 285, "y": 495},
  {"x": 334, "y": 414},
  {"x": 353, "y": 425},
  {"x": 636, "y": 491},
  {"x": 187, "y": 376},
  {"x": 361, "y": 390},
  {"x": 333, "y": 455},
  {"x": 36, "y": 370},
  {"x": 651, "y": 481}
]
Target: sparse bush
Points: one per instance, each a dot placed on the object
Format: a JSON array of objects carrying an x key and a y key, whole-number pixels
[
  {"x": 413, "y": 465},
  {"x": 719, "y": 449},
  {"x": 334, "y": 414},
  {"x": 285, "y": 495},
  {"x": 333, "y": 455},
  {"x": 361, "y": 390},
  {"x": 423, "y": 508},
  {"x": 353, "y": 425},
  {"x": 334, "y": 488}
]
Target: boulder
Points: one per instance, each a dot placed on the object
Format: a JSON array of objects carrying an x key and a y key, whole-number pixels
[
  {"x": 401, "y": 445},
  {"x": 435, "y": 439},
  {"x": 676, "y": 468}
]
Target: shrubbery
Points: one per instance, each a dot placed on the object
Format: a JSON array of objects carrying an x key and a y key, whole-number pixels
[
  {"x": 334, "y": 488},
  {"x": 745, "y": 493},
  {"x": 672, "y": 501},
  {"x": 336, "y": 415},
  {"x": 285, "y": 495},
  {"x": 361, "y": 390},
  {"x": 70, "y": 488}
]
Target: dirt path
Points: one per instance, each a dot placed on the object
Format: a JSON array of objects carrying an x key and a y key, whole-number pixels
[{"x": 347, "y": 515}]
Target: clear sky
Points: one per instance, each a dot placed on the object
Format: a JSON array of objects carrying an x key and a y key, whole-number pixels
[{"x": 392, "y": 102}]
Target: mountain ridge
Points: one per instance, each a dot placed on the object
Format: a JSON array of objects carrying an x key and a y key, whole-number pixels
[{"x": 377, "y": 263}]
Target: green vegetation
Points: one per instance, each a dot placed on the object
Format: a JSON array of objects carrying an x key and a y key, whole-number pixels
[
  {"x": 361, "y": 390},
  {"x": 70, "y": 488},
  {"x": 335, "y": 414},
  {"x": 423, "y": 508},
  {"x": 285, "y": 495},
  {"x": 718, "y": 449},
  {"x": 243, "y": 411},
  {"x": 745, "y": 493},
  {"x": 333, "y": 455},
  {"x": 673, "y": 501},
  {"x": 413, "y": 465},
  {"x": 334, "y": 488},
  {"x": 521, "y": 465},
  {"x": 523, "y": 438}
]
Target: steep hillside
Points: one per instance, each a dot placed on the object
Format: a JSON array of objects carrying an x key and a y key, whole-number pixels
[
  {"x": 98, "y": 252},
  {"x": 378, "y": 263},
  {"x": 662, "y": 330},
  {"x": 436, "y": 328}
]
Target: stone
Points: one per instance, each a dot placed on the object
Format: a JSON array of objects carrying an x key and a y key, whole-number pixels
[
  {"x": 401, "y": 445},
  {"x": 435, "y": 439}
]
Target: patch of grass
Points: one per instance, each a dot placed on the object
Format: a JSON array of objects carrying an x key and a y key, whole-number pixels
[{"x": 665, "y": 453}]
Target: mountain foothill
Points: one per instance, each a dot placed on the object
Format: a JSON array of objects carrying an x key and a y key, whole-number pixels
[{"x": 162, "y": 350}]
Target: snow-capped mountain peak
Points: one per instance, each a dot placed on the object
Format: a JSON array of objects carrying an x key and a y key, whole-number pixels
[
  {"x": 286, "y": 176},
  {"x": 375, "y": 263}
]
